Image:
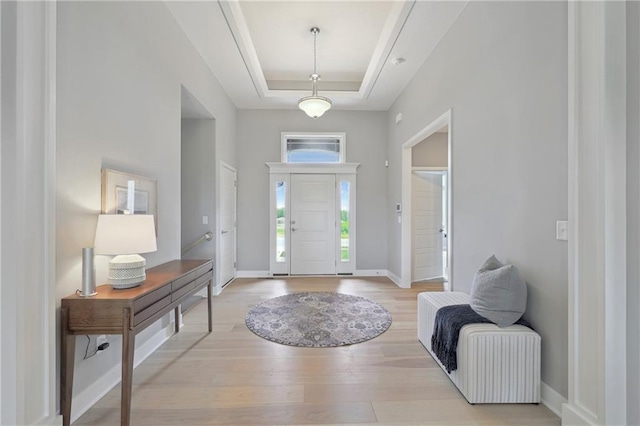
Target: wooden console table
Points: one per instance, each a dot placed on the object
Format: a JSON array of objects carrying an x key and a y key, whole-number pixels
[{"x": 128, "y": 312}]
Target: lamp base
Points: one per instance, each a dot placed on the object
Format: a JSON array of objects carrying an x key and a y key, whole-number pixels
[{"x": 127, "y": 271}]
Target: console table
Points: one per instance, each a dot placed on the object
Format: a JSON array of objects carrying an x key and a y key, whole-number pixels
[{"x": 128, "y": 312}]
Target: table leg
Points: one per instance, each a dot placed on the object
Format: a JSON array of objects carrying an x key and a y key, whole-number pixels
[
  {"x": 209, "y": 308},
  {"x": 177, "y": 318},
  {"x": 67, "y": 355},
  {"x": 128, "y": 349}
]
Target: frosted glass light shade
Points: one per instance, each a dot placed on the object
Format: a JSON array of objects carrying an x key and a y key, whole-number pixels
[
  {"x": 125, "y": 234},
  {"x": 314, "y": 106}
]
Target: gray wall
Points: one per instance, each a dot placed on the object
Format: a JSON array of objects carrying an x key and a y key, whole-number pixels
[
  {"x": 259, "y": 142},
  {"x": 120, "y": 70},
  {"x": 502, "y": 69},
  {"x": 431, "y": 152},
  {"x": 633, "y": 213},
  {"x": 198, "y": 185}
]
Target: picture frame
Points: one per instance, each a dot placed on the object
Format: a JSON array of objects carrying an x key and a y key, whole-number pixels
[{"x": 125, "y": 193}]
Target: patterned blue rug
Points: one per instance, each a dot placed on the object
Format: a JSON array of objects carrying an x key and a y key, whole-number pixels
[{"x": 318, "y": 320}]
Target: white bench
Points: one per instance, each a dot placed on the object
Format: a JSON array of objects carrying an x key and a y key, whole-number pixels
[{"x": 495, "y": 365}]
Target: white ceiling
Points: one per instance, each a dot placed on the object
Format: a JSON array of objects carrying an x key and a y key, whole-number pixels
[{"x": 262, "y": 51}]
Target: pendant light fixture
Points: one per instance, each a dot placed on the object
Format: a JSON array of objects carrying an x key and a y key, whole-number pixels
[{"x": 314, "y": 106}]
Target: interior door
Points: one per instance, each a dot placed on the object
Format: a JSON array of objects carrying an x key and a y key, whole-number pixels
[
  {"x": 227, "y": 267},
  {"x": 313, "y": 224},
  {"x": 427, "y": 226}
]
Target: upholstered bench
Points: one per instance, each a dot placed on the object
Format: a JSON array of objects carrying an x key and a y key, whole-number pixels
[{"x": 495, "y": 365}]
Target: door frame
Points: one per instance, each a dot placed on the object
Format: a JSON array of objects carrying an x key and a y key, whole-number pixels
[
  {"x": 406, "y": 214},
  {"x": 281, "y": 172},
  {"x": 218, "y": 275}
]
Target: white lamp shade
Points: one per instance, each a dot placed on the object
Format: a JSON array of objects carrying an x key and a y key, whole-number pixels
[
  {"x": 314, "y": 106},
  {"x": 125, "y": 234}
]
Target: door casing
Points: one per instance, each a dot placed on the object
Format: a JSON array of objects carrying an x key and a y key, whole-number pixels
[
  {"x": 281, "y": 172},
  {"x": 405, "y": 244}
]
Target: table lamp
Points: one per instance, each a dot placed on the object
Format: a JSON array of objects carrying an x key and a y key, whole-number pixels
[{"x": 125, "y": 235}]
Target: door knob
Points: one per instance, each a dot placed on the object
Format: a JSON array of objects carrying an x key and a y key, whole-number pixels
[
  {"x": 224, "y": 232},
  {"x": 294, "y": 229}
]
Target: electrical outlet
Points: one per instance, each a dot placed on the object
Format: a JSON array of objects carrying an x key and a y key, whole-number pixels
[{"x": 101, "y": 340}]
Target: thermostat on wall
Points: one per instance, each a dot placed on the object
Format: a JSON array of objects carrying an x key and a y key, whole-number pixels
[{"x": 398, "y": 208}]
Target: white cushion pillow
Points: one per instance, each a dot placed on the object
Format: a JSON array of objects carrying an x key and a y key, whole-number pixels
[{"x": 498, "y": 293}]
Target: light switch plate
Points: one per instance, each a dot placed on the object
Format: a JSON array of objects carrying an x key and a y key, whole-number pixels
[{"x": 562, "y": 230}]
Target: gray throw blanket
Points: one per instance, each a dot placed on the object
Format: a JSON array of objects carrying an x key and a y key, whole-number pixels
[{"x": 446, "y": 331}]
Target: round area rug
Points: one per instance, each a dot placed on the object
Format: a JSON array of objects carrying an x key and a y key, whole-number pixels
[{"x": 318, "y": 320}]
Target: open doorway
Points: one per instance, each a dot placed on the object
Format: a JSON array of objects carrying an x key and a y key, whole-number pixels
[
  {"x": 427, "y": 198},
  {"x": 197, "y": 182},
  {"x": 429, "y": 227}
]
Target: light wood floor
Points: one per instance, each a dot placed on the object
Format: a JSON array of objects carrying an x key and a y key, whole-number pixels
[{"x": 233, "y": 377}]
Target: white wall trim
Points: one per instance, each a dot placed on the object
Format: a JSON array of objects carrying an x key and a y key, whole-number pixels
[
  {"x": 313, "y": 168},
  {"x": 357, "y": 273},
  {"x": 597, "y": 214},
  {"x": 50, "y": 193},
  {"x": 428, "y": 169},
  {"x": 92, "y": 394},
  {"x": 407, "y": 168},
  {"x": 572, "y": 415},
  {"x": 254, "y": 274},
  {"x": 396, "y": 279},
  {"x": 371, "y": 273},
  {"x": 551, "y": 399},
  {"x": 1, "y": 287}
]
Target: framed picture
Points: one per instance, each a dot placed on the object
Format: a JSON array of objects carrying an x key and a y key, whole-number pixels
[{"x": 124, "y": 193}]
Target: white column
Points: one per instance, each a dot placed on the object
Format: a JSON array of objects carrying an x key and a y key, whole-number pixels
[
  {"x": 27, "y": 323},
  {"x": 597, "y": 214}
]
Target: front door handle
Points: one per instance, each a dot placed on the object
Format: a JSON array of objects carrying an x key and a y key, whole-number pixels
[
  {"x": 294, "y": 229},
  {"x": 224, "y": 232}
]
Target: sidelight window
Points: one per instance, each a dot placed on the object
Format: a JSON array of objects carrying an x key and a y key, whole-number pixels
[{"x": 281, "y": 229}]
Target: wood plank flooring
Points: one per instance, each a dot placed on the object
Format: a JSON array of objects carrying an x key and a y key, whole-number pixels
[{"x": 233, "y": 377}]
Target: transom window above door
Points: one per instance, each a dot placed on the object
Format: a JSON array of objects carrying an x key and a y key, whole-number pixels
[{"x": 313, "y": 147}]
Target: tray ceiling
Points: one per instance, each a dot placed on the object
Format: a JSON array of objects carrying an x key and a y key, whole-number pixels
[{"x": 262, "y": 51}]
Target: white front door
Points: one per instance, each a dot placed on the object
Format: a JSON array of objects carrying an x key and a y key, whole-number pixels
[
  {"x": 227, "y": 267},
  {"x": 427, "y": 226},
  {"x": 313, "y": 224}
]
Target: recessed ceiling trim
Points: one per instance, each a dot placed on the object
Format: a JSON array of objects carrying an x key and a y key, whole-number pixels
[
  {"x": 232, "y": 13},
  {"x": 392, "y": 29},
  {"x": 237, "y": 23}
]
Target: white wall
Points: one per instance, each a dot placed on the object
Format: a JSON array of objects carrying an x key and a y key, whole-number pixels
[
  {"x": 198, "y": 189},
  {"x": 259, "y": 141},
  {"x": 431, "y": 152},
  {"x": 502, "y": 69},
  {"x": 120, "y": 70}
]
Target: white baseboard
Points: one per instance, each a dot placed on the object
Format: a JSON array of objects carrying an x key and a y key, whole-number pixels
[
  {"x": 357, "y": 273},
  {"x": 574, "y": 416},
  {"x": 55, "y": 419},
  {"x": 370, "y": 273},
  {"x": 253, "y": 274},
  {"x": 92, "y": 394},
  {"x": 552, "y": 399},
  {"x": 396, "y": 279}
]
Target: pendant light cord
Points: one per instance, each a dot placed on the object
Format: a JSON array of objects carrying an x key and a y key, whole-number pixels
[{"x": 315, "y": 39}]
